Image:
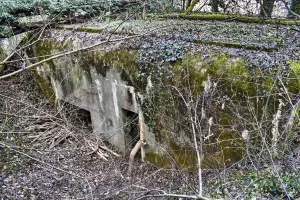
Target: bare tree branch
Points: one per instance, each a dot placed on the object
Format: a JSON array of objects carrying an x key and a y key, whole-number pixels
[{"x": 163, "y": 194}]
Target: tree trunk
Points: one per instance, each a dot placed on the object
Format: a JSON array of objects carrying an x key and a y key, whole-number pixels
[
  {"x": 188, "y": 4},
  {"x": 214, "y": 5},
  {"x": 192, "y": 5},
  {"x": 295, "y": 7},
  {"x": 266, "y": 8}
]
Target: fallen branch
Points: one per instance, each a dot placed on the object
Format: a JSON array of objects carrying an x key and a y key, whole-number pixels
[
  {"x": 164, "y": 194},
  {"x": 237, "y": 45},
  {"x": 110, "y": 151},
  {"x": 222, "y": 17},
  {"x": 98, "y": 149},
  {"x": 22, "y": 116},
  {"x": 94, "y": 30},
  {"x": 102, "y": 155}
]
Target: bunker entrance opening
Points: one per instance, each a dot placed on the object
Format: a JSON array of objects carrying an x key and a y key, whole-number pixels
[
  {"x": 75, "y": 114},
  {"x": 131, "y": 129}
]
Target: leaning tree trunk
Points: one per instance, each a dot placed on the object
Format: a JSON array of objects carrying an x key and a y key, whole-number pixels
[
  {"x": 188, "y": 3},
  {"x": 295, "y": 7},
  {"x": 266, "y": 8},
  {"x": 192, "y": 5},
  {"x": 214, "y": 5}
]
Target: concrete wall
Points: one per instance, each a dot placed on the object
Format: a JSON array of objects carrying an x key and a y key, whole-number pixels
[{"x": 107, "y": 97}]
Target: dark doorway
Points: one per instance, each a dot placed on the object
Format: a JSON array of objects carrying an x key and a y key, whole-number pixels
[
  {"x": 74, "y": 114},
  {"x": 131, "y": 129}
]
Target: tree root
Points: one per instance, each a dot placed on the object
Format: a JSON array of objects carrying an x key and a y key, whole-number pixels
[{"x": 136, "y": 148}]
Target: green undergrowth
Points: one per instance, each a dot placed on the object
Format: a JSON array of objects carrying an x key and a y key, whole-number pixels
[
  {"x": 294, "y": 85},
  {"x": 265, "y": 183}
]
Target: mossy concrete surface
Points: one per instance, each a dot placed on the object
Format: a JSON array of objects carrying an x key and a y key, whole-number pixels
[{"x": 112, "y": 84}]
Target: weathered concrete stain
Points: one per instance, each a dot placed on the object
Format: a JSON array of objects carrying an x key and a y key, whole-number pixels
[
  {"x": 99, "y": 90},
  {"x": 114, "y": 91}
]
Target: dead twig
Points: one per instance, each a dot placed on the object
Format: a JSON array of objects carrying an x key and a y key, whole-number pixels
[
  {"x": 98, "y": 149},
  {"x": 110, "y": 151}
]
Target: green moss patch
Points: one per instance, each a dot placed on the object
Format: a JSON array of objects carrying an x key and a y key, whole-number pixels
[
  {"x": 45, "y": 85},
  {"x": 222, "y": 17},
  {"x": 93, "y": 30},
  {"x": 159, "y": 160},
  {"x": 231, "y": 83},
  {"x": 123, "y": 61},
  {"x": 80, "y": 29},
  {"x": 258, "y": 184},
  {"x": 294, "y": 82},
  {"x": 237, "y": 45}
]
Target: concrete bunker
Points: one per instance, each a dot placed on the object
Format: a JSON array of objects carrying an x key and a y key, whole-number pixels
[
  {"x": 78, "y": 80},
  {"x": 111, "y": 83},
  {"x": 107, "y": 85}
]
